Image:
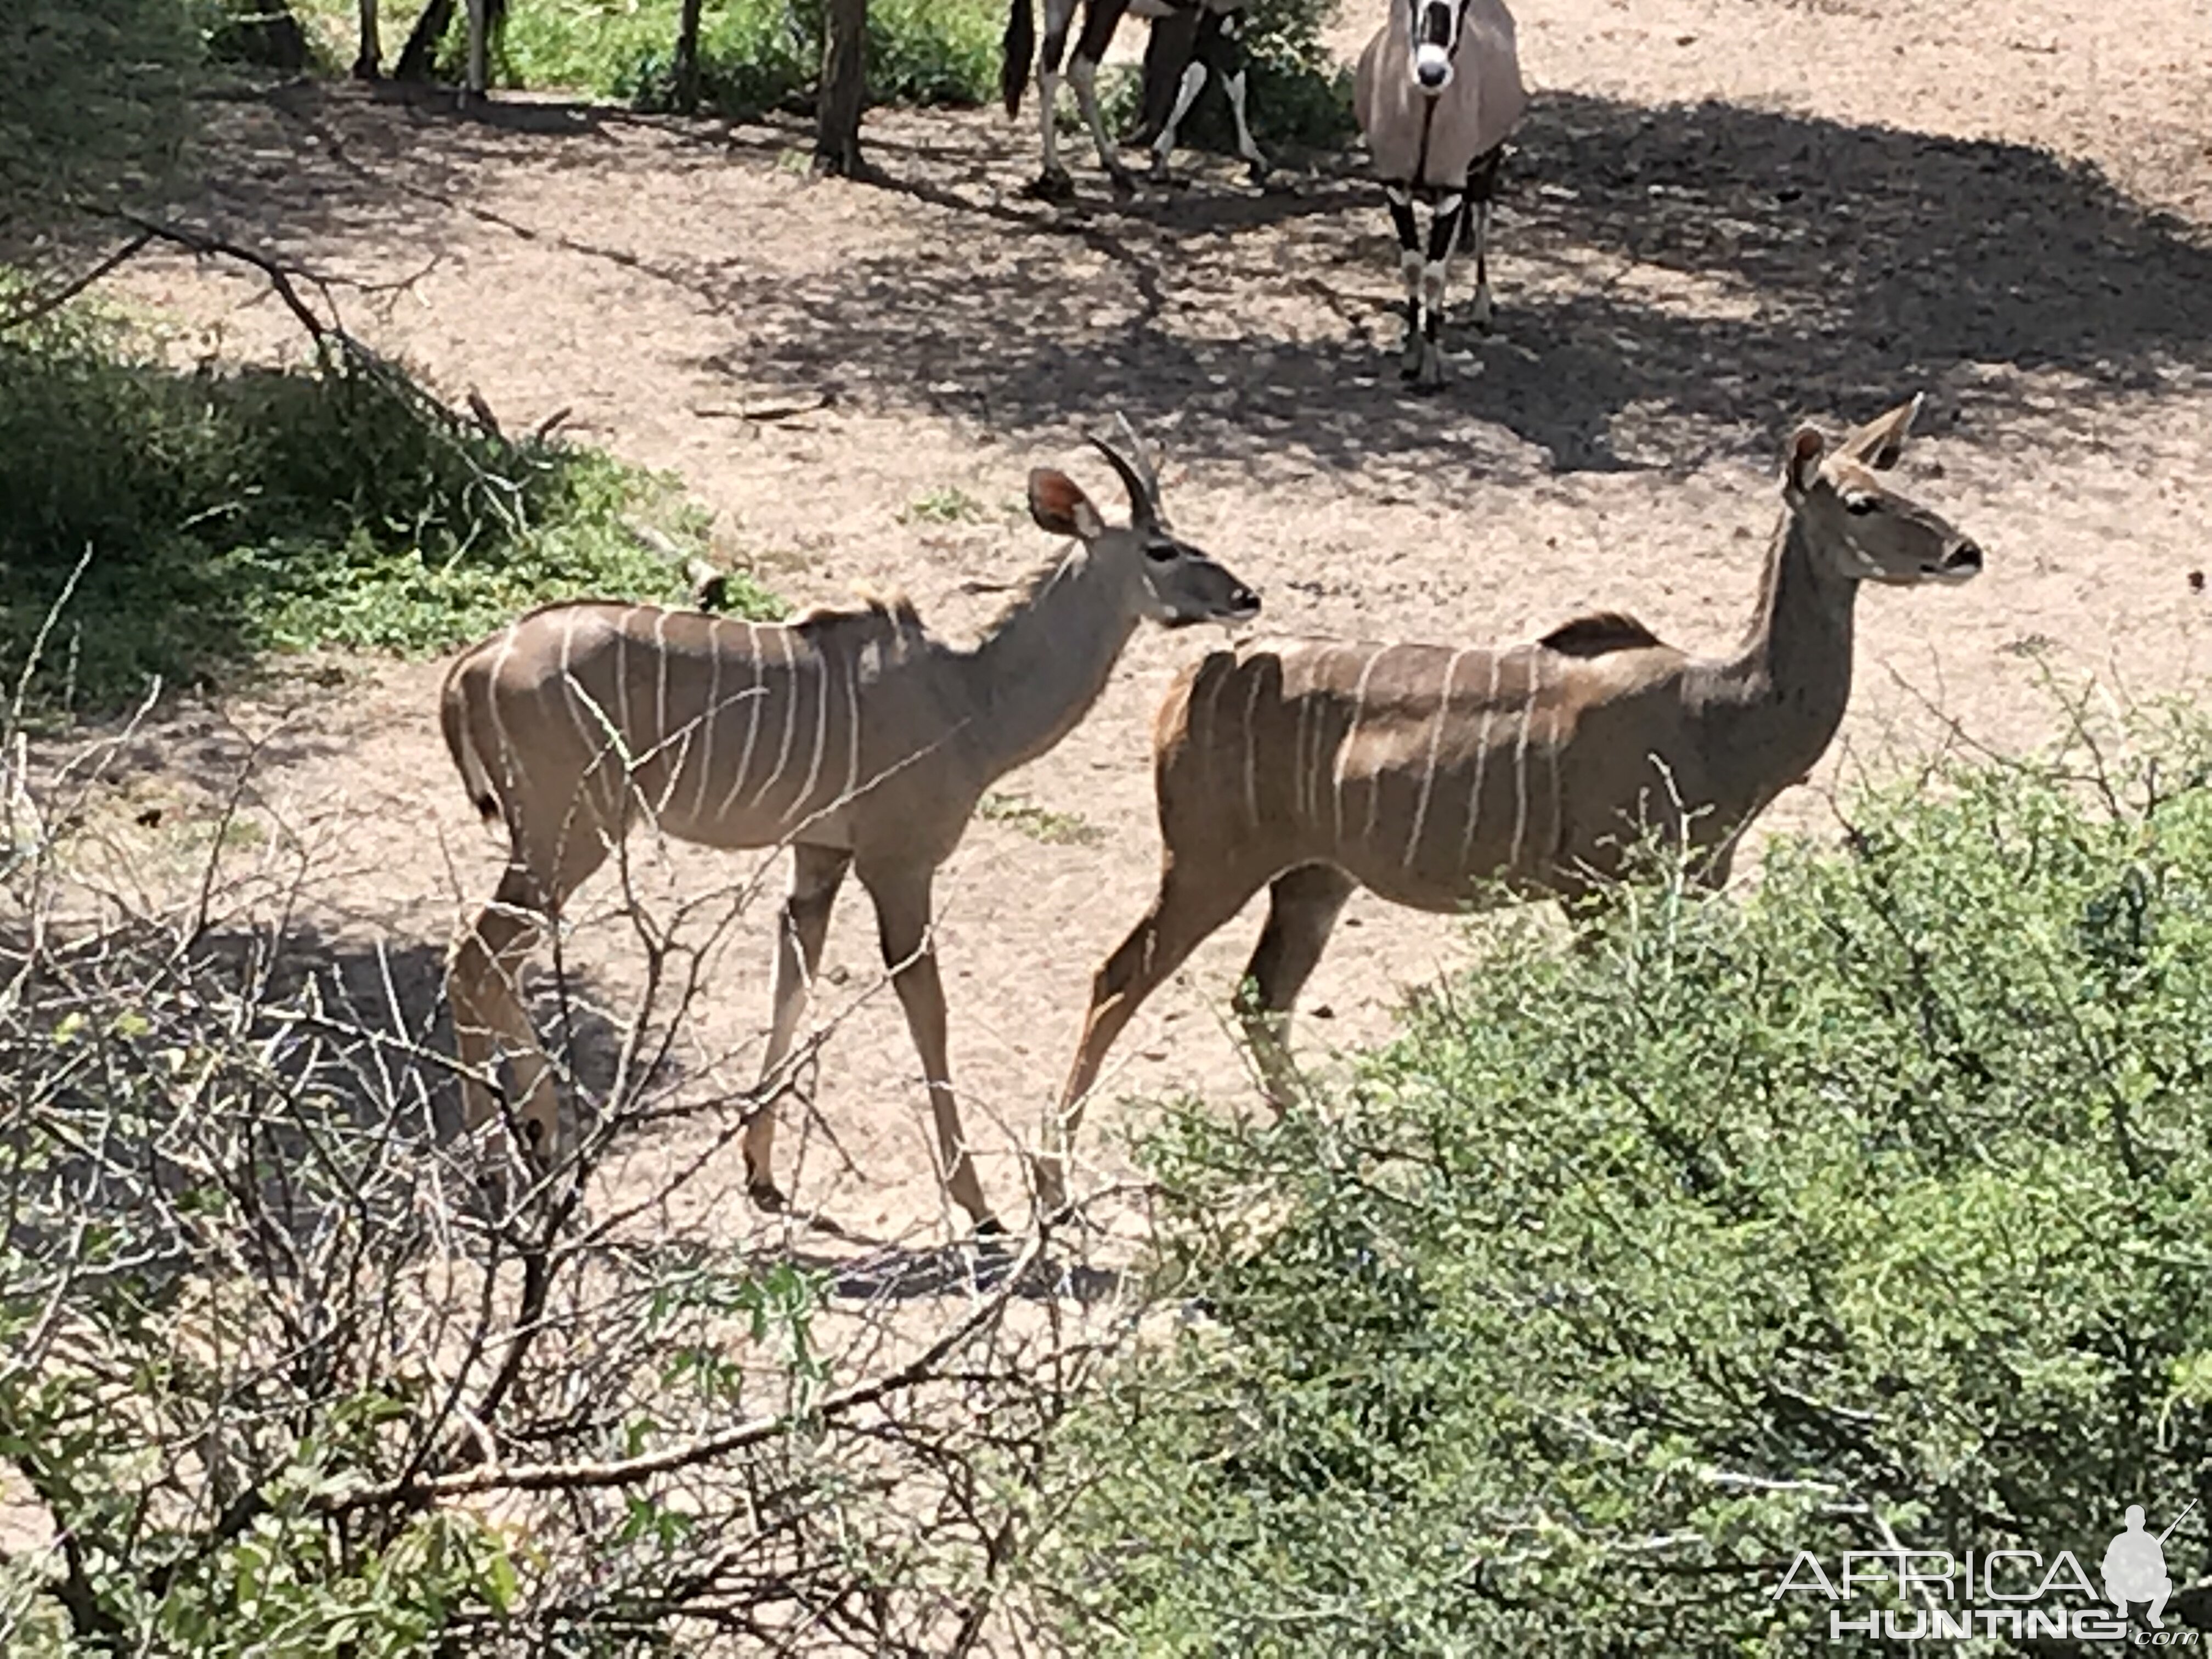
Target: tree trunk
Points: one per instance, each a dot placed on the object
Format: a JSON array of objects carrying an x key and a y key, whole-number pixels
[
  {"x": 687, "y": 58},
  {"x": 844, "y": 89}
]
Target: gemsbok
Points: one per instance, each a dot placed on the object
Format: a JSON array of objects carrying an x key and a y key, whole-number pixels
[
  {"x": 1420, "y": 771},
  {"x": 1438, "y": 91},
  {"x": 485, "y": 17},
  {"x": 1217, "y": 45},
  {"x": 853, "y": 735}
]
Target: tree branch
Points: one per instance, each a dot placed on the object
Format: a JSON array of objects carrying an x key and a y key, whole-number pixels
[
  {"x": 52, "y": 302},
  {"x": 629, "y": 1471}
]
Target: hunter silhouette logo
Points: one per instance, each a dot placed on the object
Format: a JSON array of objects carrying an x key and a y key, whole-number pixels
[
  {"x": 1902, "y": 1595},
  {"x": 2135, "y": 1566}
]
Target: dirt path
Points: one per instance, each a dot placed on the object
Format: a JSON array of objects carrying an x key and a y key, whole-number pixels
[{"x": 1724, "y": 213}]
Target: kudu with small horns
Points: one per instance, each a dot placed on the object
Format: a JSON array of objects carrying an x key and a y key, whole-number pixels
[
  {"x": 855, "y": 736},
  {"x": 1438, "y": 91},
  {"x": 1417, "y": 771}
]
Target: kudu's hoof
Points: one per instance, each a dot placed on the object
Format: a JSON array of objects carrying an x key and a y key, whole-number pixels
[
  {"x": 1125, "y": 184},
  {"x": 766, "y": 1196},
  {"x": 1055, "y": 186}
]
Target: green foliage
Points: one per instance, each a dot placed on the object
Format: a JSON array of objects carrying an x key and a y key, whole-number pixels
[
  {"x": 754, "y": 55},
  {"x": 1875, "y": 1198},
  {"x": 230, "y": 512},
  {"x": 95, "y": 108}
]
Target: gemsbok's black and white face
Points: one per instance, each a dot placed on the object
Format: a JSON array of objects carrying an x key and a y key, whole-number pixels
[{"x": 1436, "y": 27}]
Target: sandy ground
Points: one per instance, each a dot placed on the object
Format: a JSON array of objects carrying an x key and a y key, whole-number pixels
[{"x": 1723, "y": 213}]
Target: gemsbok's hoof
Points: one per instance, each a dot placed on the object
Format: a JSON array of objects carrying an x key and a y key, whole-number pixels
[{"x": 1056, "y": 186}]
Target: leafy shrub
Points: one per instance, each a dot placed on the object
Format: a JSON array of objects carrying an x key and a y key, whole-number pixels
[
  {"x": 1871, "y": 1203},
  {"x": 228, "y": 513},
  {"x": 754, "y": 55}
]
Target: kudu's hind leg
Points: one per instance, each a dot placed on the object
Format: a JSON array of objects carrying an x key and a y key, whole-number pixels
[
  {"x": 903, "y": 912},
  {"x": 1302, "y": 906},
  {"x": 484, "y": 983},
  {"x": 817, "y": 873},
  {"x": 1185, "y": 912}
]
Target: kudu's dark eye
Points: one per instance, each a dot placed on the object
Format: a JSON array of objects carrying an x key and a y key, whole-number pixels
[
  {"x": 1161, "y": 550},
  {"x": 1860, "y": 505}
]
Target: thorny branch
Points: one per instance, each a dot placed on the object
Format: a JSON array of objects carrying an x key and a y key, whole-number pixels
[{"x": 218, "y": 1130}]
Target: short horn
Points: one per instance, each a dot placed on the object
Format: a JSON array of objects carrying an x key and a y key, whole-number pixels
[{"x": 1137, "y": 478}]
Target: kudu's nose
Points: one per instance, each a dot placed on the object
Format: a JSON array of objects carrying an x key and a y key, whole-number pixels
[
  {"x": 1962, "y": 558},
  {"x": 1242, "y": 601}
]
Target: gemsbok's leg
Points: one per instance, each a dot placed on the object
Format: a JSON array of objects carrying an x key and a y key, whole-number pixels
[
  {"x": 902, "y": 900},
  {"x": 479, "y": 48},
  {"x": 1232, "y": 68},
  {"x": 1482, "y": 189},
  {"x": 1185, "y": 912},
  {"x": 484, "y": 988},
  {"x": 1302, "y": 906},
  {"x": 1053, "y": 183},
  {"x": 1099, "y": 22},
  {"x": 1443, "y": 237},
  {"x": 1400, "y": 198},
  {"x": 370, "y": 61},
  {"x": 815, "y": 875}
]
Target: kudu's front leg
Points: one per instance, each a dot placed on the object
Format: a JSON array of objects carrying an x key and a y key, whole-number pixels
[{"x": 902, "y": 911}]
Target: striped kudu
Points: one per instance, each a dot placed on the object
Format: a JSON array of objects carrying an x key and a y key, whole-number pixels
[
  {"x": 855, "y": 736},
  {"x": 1417, "y": 771}
]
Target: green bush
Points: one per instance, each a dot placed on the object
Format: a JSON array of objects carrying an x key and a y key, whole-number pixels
[
  {"x": 222, "y": 513},
  {"x": 1873, "y": 1202},
  {"x": 754, "y": 55}
]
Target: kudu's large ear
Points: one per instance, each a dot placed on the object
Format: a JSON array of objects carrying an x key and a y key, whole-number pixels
[
  {"x": 1881, "y": 441},
  {"x": 1801, "y": 459},
  {"x": 1059, "y": 505},
  {"x": 1127, "y": 459}
]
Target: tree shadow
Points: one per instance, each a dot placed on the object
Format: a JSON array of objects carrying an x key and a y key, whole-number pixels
[{"x": 1729, "y": 264}]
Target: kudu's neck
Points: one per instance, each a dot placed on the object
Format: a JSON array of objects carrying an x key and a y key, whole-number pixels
[
  {"x": 1039, "y": 671},
  {"x": 1772, "y": 708}
]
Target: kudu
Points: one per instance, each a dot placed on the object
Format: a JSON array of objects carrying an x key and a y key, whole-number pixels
[
  {"x": 1217, "y": 45},
  {"x": 1418, "y": 771},
  {"x": 1437, "y": 92},
  {"x": 853, "y": 735}
]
